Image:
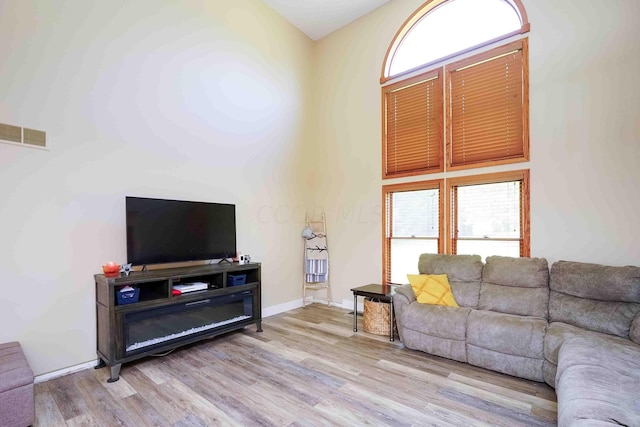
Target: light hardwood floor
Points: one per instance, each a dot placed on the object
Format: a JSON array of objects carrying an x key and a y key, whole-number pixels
[{"x": 307, "y": 368}]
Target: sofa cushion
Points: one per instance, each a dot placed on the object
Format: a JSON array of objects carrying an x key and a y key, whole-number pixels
[
  {"x": 435, "y": 320},
  {"x": 432, "y": 289},
  {"x": 443, "y": 347},
  {"x": 512, "y": 300},
  {"x": 433, "y": 329},
  {"x": 596, "y": 297},
  {"x": 595, "y": 281},
  {"x": 515, "y": 286},
  {"x": 618, "y": 358},
  {"x": 608, "y": 317},
  {"x": 506, "y": 343},
  {"x": 634, "y": 332},
  {"x": 549, "y": 373},
  {"x": 518, "y": 366},
  {"x": 599, "y": 382},
  {"x": 558, "y": 333},
  {"x": 519, "y": 272},
  {"x": 463, "y": 271},
  {"x": 506, "y": 333},
  {"x": 589, "y": 392}
]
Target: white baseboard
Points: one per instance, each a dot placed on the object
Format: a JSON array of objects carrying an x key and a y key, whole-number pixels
[
  {"x": 347, "y": 304},
  {"x": 281, "y": 308},
  {"x": 66, "y": 371}
]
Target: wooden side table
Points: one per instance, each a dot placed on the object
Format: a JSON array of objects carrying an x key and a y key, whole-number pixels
[{"x": 383, "y": 293}]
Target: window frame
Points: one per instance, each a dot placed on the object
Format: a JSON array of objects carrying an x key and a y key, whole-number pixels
[
  {"x": 387, "y": 191},
  {"x": 417, "y": 15},
  {"x": 491, "y": 178}
]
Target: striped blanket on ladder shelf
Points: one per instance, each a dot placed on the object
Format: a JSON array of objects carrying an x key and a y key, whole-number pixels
[{"x": 316, "y": 259}]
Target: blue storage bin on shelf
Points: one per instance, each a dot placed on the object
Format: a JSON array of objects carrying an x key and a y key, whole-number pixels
[
  {"x": 128, "y": 297},
  {"x": 236, "y": 279}
]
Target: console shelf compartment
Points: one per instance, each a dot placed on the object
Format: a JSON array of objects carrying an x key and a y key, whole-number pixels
[{"x": 160, "y": 321}]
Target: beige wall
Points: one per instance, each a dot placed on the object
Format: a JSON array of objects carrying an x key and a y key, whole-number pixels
[
  {"x": 224, "y": 101},
  {"x": 585, "y": 134},
  {"x": 196, "y": 100}
]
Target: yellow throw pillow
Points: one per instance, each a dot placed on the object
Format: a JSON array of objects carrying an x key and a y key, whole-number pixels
[{"x": 432, "y": 289}]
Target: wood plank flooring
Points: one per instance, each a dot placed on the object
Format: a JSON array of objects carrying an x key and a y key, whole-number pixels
[{"x": 306, "y": 369}]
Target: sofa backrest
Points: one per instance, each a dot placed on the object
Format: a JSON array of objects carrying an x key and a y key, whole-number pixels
[
  {"x": 596, "y": 297},
  {"x": 515, "y": 286},
  {"x": 463, "y": 271}
]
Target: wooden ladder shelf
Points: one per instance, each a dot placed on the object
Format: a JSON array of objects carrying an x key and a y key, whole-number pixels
[{"x": 315, "y": 274}]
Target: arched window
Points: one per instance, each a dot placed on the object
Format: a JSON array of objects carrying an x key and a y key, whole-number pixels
[
  {"x": 441, "y": 29},
  {"x": 455, "y": 95},
  {"x": 469, "y": 111}
]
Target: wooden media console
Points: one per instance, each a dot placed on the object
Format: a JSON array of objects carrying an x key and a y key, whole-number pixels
[{"x": 159, "y": 321}]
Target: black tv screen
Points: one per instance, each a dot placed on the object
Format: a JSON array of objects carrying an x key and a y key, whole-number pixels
[{"x": 166, "y": 231}]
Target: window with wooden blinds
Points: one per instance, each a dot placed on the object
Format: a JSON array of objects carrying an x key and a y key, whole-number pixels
[
  {"x": 413, "y": 132},
  {"x": 489, "y": 214},
  {"x": 412, "y": 225},
  {"x": 488, "y": 108}
]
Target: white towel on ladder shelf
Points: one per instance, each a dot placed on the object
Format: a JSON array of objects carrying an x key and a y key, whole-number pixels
[
  {"x": 316, "y": 259},
  {"x": 317, "y": 248}
]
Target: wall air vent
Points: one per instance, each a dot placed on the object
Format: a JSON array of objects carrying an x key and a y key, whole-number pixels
[
  {"x": 10, "y": 133},
  {"x": 34, "y": 137},
  {"x": 29, "y": 137}
]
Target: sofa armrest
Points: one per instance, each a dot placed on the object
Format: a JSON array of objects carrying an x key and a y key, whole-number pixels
[
  {"x": 404, "y": 294},
  {"x": 634, "y": 332},
  {"x": 402, "y": 297}
]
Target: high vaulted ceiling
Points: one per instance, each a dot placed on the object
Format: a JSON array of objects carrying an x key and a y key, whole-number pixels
[{"x": 317, "y": 18}]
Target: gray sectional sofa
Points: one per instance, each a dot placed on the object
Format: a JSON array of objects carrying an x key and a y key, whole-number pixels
[{"x": 575, "y": 326}]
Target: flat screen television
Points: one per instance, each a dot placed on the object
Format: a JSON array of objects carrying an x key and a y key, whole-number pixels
[{"x": 166, "y": 231}]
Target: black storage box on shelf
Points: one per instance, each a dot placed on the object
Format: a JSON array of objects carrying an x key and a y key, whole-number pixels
[
  {"x": 128, "y": 297},
  {"x": 236, "y": 279}
]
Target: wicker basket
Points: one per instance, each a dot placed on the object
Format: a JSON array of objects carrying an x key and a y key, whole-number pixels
[{"x": 376, "y": 317}]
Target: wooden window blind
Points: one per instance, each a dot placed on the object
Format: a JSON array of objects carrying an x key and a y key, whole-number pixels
[
  {"x": 412, "y": 126},
  {"x": 488, "y": 120}
]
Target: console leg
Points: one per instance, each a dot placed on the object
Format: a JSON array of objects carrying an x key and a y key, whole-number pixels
[
  {"x": 100, "y": 364},
  {"x": 258, "y": 326},
  {"x": 115, "y": 373}
]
